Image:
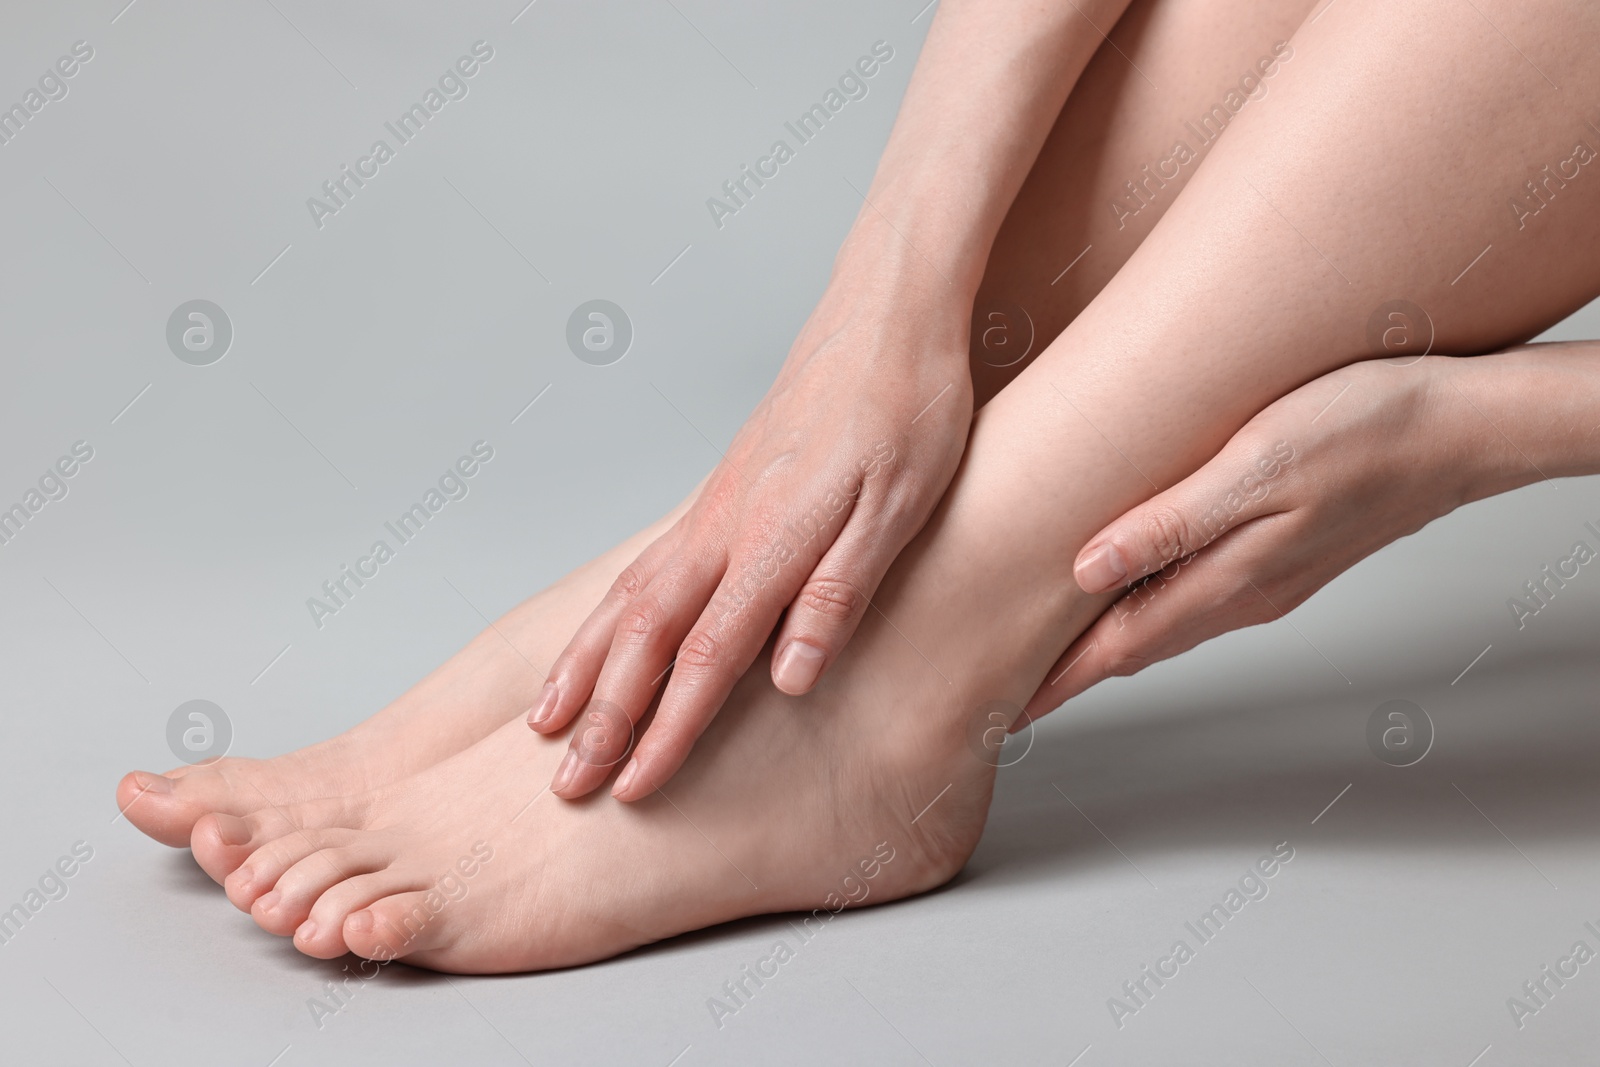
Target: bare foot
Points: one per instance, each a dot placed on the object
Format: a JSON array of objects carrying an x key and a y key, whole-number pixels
[
  {"x": 867, "y": 789},
  {"x": 493, "y": 680}
]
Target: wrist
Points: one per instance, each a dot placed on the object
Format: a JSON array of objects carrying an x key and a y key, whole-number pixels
[{"x": 909, "y": 253}]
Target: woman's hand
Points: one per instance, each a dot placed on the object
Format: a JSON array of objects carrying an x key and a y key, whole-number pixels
[
  {"x": 831, "y": 476},
  {"x": 1319, "y": 480}
]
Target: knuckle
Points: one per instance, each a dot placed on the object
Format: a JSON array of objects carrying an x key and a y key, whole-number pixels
[
  {"x": 1165, "y": 533},
  {"x": 642, "y": 620},
  {"x": 831, "y": 598},
  {"x": 630, "y": 583},
  {"x": 701, "y": 653},
  {"x": 1122, "y": 662}
]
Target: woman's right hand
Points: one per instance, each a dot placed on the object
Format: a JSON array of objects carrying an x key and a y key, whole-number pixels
[{"x": 832, "y": 475}]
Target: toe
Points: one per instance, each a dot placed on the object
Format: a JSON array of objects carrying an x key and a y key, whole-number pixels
[
  {"x": 399, "y": 925},
  {"x": 151, "y": 804},
  {"x": 322, "y": 934},
  {"x": 288, "y": 904},
  {"x": 264, "y": 865},
  {"x": 222, "y": 842}
]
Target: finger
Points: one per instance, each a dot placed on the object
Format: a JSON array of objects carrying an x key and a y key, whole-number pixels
[
  {"x": 1184, "y": 604},
  {"x": 830, "y": 605},
  {"x": 1242, "y": 482},
  {"x": 573, "y": 675},
  {"x": 724, "y": 643},
  {"x": 645, "y": 645}
]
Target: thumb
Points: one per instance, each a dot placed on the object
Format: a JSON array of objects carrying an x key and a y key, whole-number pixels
[{"x": 1234, "y": 487}]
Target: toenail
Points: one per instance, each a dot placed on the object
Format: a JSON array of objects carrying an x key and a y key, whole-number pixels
[
  {"x": 232, "y": 831},
  {"x": 565, "y": 773},
  {"x": 549, "y": 697},
  {"x": 360, "y": 923},
  {"x": 270, "y": 901},
  {"x": 154, "y": 783},
  {"x": 243, "y": 877},
  {"x": 307, "y": 931}
]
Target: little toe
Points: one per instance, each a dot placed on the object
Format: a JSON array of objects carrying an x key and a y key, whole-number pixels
[{"x": 398, "y": 926}]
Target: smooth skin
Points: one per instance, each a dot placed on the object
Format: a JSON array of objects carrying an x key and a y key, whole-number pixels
[
  {"x": 1226, "y": 307},
  {"x": 844, "y": 460},
  {"x": 1317, "y": 482}
]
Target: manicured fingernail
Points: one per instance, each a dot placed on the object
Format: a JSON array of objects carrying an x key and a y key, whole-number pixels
[
  {"x": 625, "y": 780},
  {"x": 154, "y": 783},
  {"x": 564, "y": 773},
  {"x": 307, "y": 931},
  {"x": 798, "y": 667},
  {"x": 1102, "y": 569},
  {"x": 549, "y": 696},
  {"x": 270, "y": 901}
]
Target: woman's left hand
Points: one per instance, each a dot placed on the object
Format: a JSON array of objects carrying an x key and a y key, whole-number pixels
[{"x": 1319, "y": 480}]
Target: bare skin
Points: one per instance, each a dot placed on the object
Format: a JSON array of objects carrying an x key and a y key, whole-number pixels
[
  {"x": 1225, "y": 307},
  {"x": 1110, "y": 125}
]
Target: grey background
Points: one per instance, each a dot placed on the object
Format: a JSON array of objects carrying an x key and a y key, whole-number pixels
[{"x": 425, "y": 316}]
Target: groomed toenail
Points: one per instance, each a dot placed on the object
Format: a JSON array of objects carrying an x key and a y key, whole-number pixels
[
  {"x": 270, "y": 901},
  {"x": 153, "y": 783},
  {"x": 307, "y": 931},
  {"x": 242, "y": 877},
  {"x": 360, "y": 923},
  {"x": 233, "y": 831}
]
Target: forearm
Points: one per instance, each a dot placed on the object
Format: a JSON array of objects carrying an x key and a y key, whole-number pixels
[
  {"x": 1544, "y": 403},
  {"x": 988, "y": 86}
]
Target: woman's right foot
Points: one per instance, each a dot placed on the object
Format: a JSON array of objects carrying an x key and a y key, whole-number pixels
[{"x": 496, "y": 678}]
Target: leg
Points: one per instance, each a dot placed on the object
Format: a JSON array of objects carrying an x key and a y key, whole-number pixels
[
  {"x": 1225, "y": 306},
  {"x": 1114, "y": 123}
]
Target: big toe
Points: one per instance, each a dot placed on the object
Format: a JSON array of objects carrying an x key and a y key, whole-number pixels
[{"x": 163, "y": 808}]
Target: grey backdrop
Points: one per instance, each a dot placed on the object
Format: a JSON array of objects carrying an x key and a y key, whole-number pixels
[{"x": 426, "y": 315}]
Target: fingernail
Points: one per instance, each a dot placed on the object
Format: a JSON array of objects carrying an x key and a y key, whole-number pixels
[
  {"x": 269, "y": 901},
  {"x": 565, "y": 772},
  {"x": 549, "y": 696},
  {"x": 625, "y": 780},
  {"x": 798, "y": 666},
  {"x": 1102, "y": 569},
  {"x": 154, "y": 783},
  {"x": 307, "y": 931}
]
